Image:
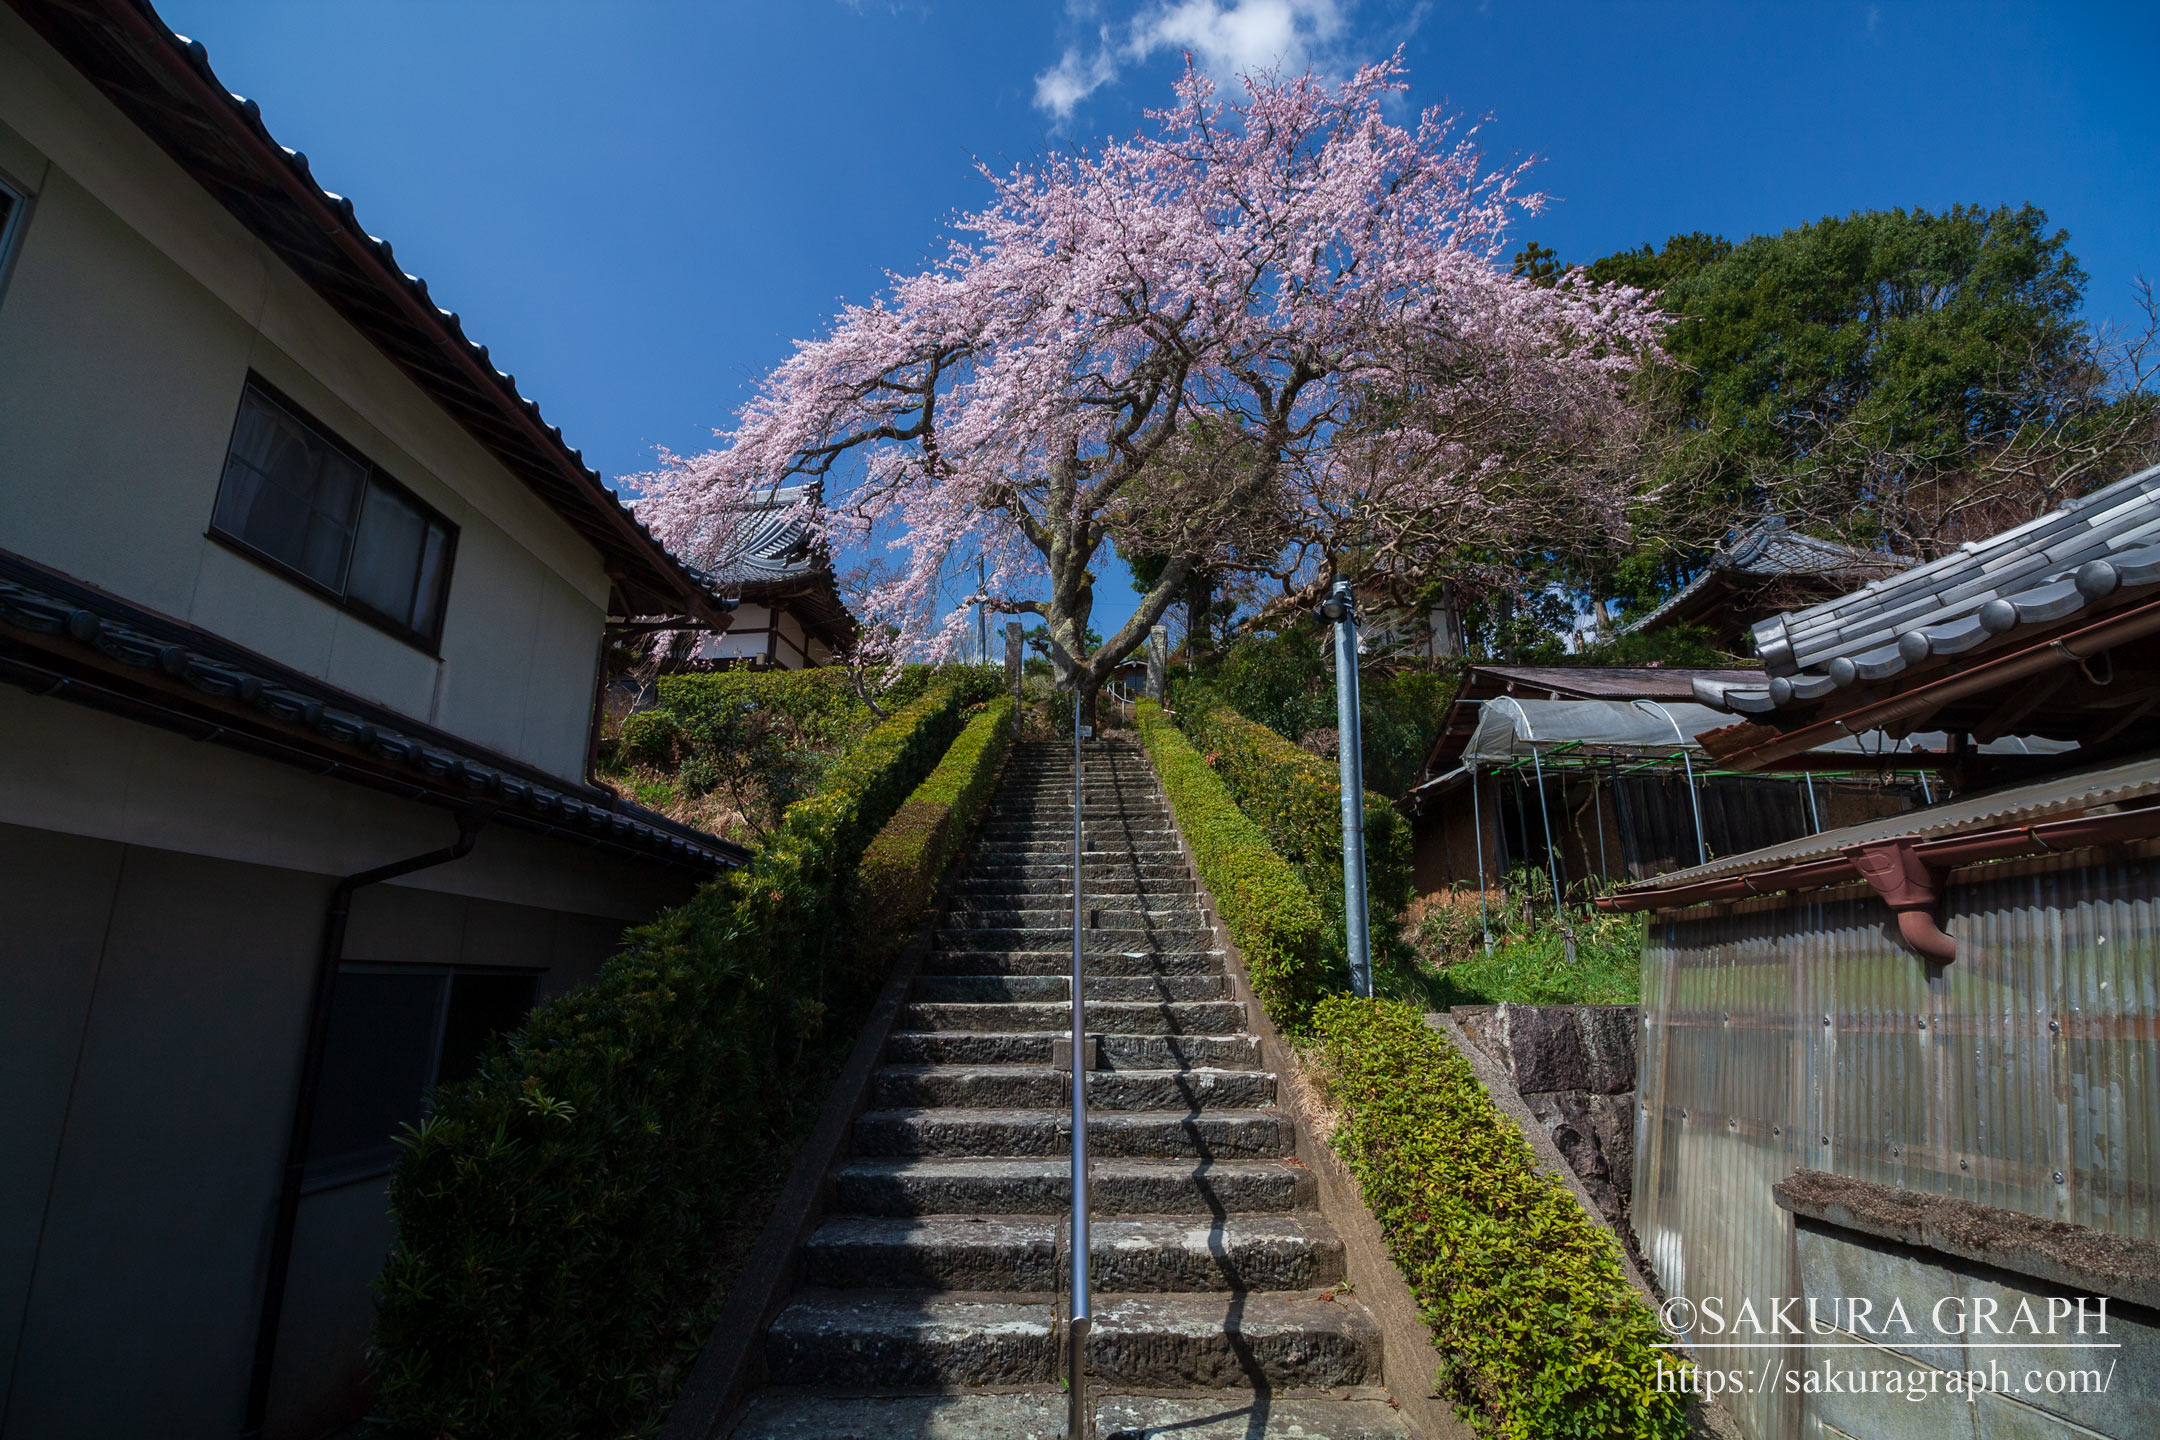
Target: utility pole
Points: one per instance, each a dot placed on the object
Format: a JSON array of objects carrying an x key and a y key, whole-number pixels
[
  {"x": 1340, "y": 611},
  {"x": 982, "y": 613}
]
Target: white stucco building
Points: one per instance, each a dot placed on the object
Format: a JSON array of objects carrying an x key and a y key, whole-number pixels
[{"x": 293, "y": 584}]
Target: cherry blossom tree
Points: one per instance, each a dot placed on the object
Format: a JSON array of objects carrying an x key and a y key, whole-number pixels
[{"x": 1274, "y": 335}]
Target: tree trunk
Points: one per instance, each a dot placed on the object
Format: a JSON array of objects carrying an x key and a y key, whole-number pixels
[{"x": 1199, "y": 596}]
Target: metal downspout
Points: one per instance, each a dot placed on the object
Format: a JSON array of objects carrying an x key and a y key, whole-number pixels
[{"x": 320, "y": 995}]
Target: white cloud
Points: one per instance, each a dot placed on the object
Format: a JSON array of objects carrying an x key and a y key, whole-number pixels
[{"x": 1226, "y": 38}]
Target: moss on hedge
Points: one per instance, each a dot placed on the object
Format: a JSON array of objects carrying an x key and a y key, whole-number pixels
[
  {"x": 1270, "y": 913},
  {"x": 900, "y": 870},
  {"x": 556, "y": 1214},
  {"x": 1542, "y": 1335}
]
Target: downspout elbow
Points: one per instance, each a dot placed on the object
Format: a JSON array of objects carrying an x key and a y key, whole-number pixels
[
  {"x": 1905, "y": 883},
  {"x": 1926, "y": 936}
]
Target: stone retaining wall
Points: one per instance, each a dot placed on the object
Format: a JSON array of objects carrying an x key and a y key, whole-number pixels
[{"x": 1574, "y": 1066}]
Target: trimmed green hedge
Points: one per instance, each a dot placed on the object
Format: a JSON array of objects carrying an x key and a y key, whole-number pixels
[
  {"x": 1297, "y": 799},
  {"x": 557, "y": 1214},
  {"x": 1271, "y": 914},
  {"x": 901, "y": 868},
  {"x": 1542, "y": 1335},
  {"x": 820, "y": 703}
]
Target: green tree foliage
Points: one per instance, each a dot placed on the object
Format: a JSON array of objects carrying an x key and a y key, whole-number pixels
[
  {"x": 1899, "y": 378},
  {"x": 1286, "y": 682}
]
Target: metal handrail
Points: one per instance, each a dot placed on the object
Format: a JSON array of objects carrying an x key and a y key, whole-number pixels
[{"x": 1080, "y": 1418}]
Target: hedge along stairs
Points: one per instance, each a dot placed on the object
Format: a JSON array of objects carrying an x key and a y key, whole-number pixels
[{"x": 933, "y": 1288}]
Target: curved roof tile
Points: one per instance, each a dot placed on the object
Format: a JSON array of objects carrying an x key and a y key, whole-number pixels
[{"x": 2039, "y": 573}]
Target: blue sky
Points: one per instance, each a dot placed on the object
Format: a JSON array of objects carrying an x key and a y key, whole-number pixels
[{"x": 638, "y": 205}]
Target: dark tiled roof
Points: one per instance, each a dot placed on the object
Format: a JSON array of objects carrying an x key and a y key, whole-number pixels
[
  {"x": 61, "y": 637},
  {"x": 2087, "y": 554},
  {"x": 770, "y": 544},
  {"x": 1770, "y": 550},
  {"x": 774, "y": 558},
  {"x": 164, "y": 84}
]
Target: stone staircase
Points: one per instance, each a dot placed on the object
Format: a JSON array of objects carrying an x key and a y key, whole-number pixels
[{"x": 934, "y": 1288}]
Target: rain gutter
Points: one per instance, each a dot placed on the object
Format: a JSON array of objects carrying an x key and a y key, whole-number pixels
[{"x": 1906, "y": 873}]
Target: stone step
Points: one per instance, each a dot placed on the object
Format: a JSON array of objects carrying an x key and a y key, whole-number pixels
[
  {"x": 1035, "y": 1047},
  {"x": 988, "y": 989},
  {"x": 1091, "y": 874},
  {"x": 1061, "y": 806},
  {"x": 1029, "y": 1253},
  {"x": 1135, "y": 1134},
  {"x": 1100, "y": 889},
  {"x": 1034, "y": 846},
  {"x": 1126, "y": 1017},
  {"x": 1104, "y": 937},
  {"x": 1108, "y": 825},
  {"x": 1059, "y": 848},
  {"x": 788, "y": 1414},
  {"x": 940, "y": 1185},
  {"x": 1256, "y": 1341},
  {"x": 853, "y": 1338},
  {"x": 1126, "y": 913},
  {"x": 971, "y": 961},
  {"x": 1001, "y": 1087}
]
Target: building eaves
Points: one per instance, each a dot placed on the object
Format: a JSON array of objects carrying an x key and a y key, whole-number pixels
[
  {"x": 163, "y": 83},
  {"x": 2091, "y": 552},
  {"x": 61, "y": 637}
]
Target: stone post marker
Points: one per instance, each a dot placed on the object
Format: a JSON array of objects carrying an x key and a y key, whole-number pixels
[
  {"x": 1012, "y": 658},
  {"x": 1158, "y": 661}
]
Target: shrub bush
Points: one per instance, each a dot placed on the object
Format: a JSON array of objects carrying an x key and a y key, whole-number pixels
[
  {"x": 1269, "y": 911},
  {"x": 1296, "y": 797},
  {"x": 651, "y": 737},
  {"x": 900, "y": 870},
  {"x": 557, "y": 1213},
  {"x": 1286, "y": 682},
  {"x": 1542, "y": 1335}
]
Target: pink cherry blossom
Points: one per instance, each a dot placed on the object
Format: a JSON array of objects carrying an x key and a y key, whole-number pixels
[{"x": 1276, "y": 333}]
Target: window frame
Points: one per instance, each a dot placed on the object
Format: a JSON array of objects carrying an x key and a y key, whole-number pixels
[
  {"x": 336, "y": 1172},
  {"x": 429, "y": 644},
  {"x": 11, "y": 229}
]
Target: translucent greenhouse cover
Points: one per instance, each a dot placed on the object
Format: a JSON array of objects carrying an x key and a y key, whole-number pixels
[{"x": 1509, "y": 728}]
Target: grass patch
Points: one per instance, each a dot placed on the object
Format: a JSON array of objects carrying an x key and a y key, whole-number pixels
[{"x": 1529, "y": 963}]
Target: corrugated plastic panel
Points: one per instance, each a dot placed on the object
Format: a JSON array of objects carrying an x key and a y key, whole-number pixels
[{"x": 1805, "y": 1035}]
